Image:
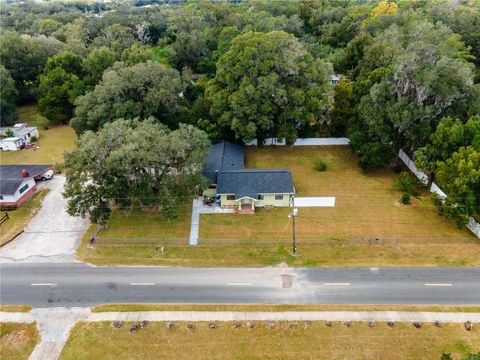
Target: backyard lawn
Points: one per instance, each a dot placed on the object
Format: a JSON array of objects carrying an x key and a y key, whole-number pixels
[
  {"x": 299, "y": 341},
  {"x": 19, "y": 218},
  {"x": 367, "y": 227},
  {"x": 52, "y": 142},
  {"x": 17, "y": 340}
]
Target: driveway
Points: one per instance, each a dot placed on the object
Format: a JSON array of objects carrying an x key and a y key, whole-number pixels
[{"x": 52, "y": 235}]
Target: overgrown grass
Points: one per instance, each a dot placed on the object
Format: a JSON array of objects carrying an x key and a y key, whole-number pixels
[
  {"x": 367, "y": 227},
  {"x": 313, "y": 340},
  {"x": 52, "y": 142},
  {"x": 17, "y": 340},
  {"x": 281, "y": 307},
  {"x": 15, "y": 308},
  {"x": 20, "y": 217}
]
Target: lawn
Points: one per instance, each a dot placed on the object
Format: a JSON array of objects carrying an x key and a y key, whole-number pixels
[
  {"x": 19, "y": 218},
  {"x": 281, "y": 307},
  {"x": 367, "y": 227},
  {"x": 15, "y": 308},
  {"x": 17, "y": 340},
  {"x": 53, "y": 141},
  {"x": 301, "y": 340}
]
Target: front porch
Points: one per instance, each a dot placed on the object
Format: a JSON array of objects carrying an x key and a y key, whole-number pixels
[{"x": 245, "y": 205}]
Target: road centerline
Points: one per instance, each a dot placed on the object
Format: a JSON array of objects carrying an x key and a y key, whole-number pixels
[
  {"x": 438, "y": 284},
  {"x": 44, "y": 284},
  {"x": 336, "y": 284},
  {"x": 142, "y": 283},
  {"x": 239, "y": 284}
]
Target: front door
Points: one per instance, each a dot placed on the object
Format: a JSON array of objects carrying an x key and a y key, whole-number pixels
[{"x": 245, "y": 202}]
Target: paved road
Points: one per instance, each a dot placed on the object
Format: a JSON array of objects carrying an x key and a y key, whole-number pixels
[{"x": 48, "y": 285}]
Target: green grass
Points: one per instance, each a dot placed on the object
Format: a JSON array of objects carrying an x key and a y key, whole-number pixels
[
  {"x": 20, "y": 217},
  {"x": 367, "y": 227},
  {"x": 281, "y": 307},
  {"x": 15, "y": 308},
  {"x": 300, "y": 341},
  {"x": 53, "y": 142},
  {"x": 17, "y": 340}
]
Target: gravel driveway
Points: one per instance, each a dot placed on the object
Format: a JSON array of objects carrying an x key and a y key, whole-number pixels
[{"x": 52, "y": 235}]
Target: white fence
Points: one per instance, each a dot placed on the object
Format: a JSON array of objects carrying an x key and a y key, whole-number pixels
[
  {"x": 472, "y": 225},
  {"x": 304, "y": 142}
]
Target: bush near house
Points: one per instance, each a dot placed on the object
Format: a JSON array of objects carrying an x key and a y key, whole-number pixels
[{"x": 320, "y": 165}]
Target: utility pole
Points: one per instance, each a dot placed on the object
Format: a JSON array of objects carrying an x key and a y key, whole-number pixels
[{"x": 294, "y": 215}]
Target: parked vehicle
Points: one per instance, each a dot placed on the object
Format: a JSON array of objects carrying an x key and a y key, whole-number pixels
[{"x": 47, "y": 175}]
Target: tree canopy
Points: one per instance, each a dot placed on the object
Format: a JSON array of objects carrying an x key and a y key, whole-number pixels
[
  {"x": 8, "y": 97},
  {"x": 141, "y": 90},
  {"x": 131, "y": 163},
  {"x": 268, "y": 85}
]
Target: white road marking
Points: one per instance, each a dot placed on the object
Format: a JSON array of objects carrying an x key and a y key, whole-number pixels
[
  {"x": 44, "y": 284},
  {"x": 430, "y": 284},
  {"x": 337, "y": 284},
  {"x": 142, "y": 283},
  {"x": 239, "y": 284}
]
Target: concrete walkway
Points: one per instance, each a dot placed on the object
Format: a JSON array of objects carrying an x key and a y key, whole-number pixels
[
  {"x": 396, "y": 316},
  {"x": 197, "y": 209},
  {"x": 54, "y": 325},
  {"x": 52, "y": 235},
  {"x": 314, "y": 201}
]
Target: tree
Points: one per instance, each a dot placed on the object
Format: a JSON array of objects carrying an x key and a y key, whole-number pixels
[
  {"x": 268, "y": 85},
  {"x": 57, "y": 93},
  {"x": 136, "y": 54},
  {"x": 194, "y": 36},
  {"x": 24, "y": 57},
  {"x": 94, "y": 65},
  {"x": 342, "y": 109},
  {"x": 142, "y": 90},
  {"x": 130, "y": 163},
  {"x": 8, "y": 97},
  {"x": 412, "y": 75},
  {"x": 459, "y": 176},
  {"x": 116, "y": 37},
  {"x": 449, "y": 136},
  {"x": 59, "y": 86},
  {"x": 48, "y": 26}
]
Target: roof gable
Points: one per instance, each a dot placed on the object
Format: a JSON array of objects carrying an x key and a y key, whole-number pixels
[
  {"x": 223, "y": 156},
  {"x": 251, "y": 182}
]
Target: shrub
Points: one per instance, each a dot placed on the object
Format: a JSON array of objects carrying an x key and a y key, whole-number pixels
[
  {"x": 405, "y": 198},
  {"x": 320, "y": 165},
  {"x": 407, "y": 183}
]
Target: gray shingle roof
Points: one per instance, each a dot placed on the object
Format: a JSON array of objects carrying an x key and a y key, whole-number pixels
[
  {"x": 251, "y": 182},
  {"x": 11, "y": 176},
  {"x": 223, "y": 156}
]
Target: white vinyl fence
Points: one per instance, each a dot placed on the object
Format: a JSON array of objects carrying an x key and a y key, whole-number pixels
[
  {"x": 304, "y": 142},
  {"x": 472, "y": 225}
]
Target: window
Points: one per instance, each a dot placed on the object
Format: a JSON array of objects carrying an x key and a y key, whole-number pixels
[
  {"x": 261, "y": 197},
  {"x": 23, "y": 188},
  {"x": 230, "y": 197},
  {"x": 278, "y": 196},
  {"x": 1, "y": 197}
]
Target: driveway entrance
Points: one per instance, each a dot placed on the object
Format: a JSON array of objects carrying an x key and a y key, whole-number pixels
[{"x": 52, "y": 235}]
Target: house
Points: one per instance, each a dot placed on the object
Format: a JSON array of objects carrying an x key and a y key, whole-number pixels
[
  {"x": 17, "y": 136},
  {"x": 17, "y": 182},
  {"x": 245, "y": 189}
]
